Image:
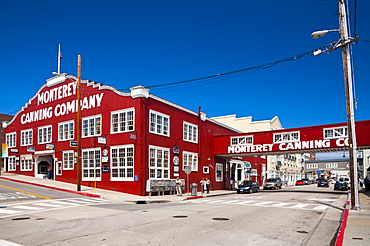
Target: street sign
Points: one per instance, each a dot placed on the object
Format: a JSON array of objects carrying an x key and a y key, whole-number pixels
[
  {"x": 187, "y": 169},
  {"x": 73, "y": 143}
]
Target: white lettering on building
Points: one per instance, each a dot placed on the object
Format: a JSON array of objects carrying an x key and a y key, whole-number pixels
[
  {"x": 312, "y": 144},
  {"x": 62, "y": 108}
]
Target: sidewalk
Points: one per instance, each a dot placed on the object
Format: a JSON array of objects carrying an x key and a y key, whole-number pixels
[
  {"x": 105, "y": 194},
  {"x": 354, "y": 229},
  {"x": 357, "y": 229}
]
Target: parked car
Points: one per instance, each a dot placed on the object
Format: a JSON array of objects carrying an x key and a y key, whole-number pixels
[
  {"x": 323, "y": 182},
  {"x": 299, "y": 182},
  {"x": 274, "y": 183},
  {"x": 306, "y": 181},
  {"x": 248, "y": 186},
  {"x": 345, "y": 179},
  {"x": 341, "y": 185}
]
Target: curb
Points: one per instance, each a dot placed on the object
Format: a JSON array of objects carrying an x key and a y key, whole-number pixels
[
  {"x": 54, "y": 188},
  {"x": 342, "y": 227}
]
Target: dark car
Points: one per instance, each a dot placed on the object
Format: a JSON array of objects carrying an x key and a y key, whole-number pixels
[
  {"x": 248, "y": 186},
  {"x": 323, "y": 182},
  {"x": 341, "y": 185},
  {"x": 299, "y": 182},
  {"x": 306, "y": 181}
]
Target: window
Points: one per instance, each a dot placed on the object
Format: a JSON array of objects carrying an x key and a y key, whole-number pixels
[
  {"x": 10, "y": 139},
  {"x": 91, "y": 168},
  {"x": 26, "y": 162},
  {"x": 337, "y": 132},
  {"x": 254, "y": 172},
  {"x": 190, "y": 159},
  {"x": 190, "y": 132},
  {"x": 243, "y": 140},
  {"x": 68, "y": 160},
  {"x": 219, "y": 172},
  {"x": 26, "y": 137},
  {"x": 331, "y": 165},
  {"x": 158, "y": 162},
  {"x": 159, "y": 123},
  {"x": 122, "y": 121},
  {"x": 91, "y": 126},
  {"x": 205, "y": 170},
  {"x": 66, "y": 131},
  {"x": 122, "y": 159},
  {"x": 312, "y": 166},
  {"x": 286, "y": 137},
  {"x": 11, "y": 163},
  {"x": 44, "y": 134}
]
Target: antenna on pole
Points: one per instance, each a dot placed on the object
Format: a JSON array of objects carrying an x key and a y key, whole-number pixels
[{"x": 59, "y": 58}]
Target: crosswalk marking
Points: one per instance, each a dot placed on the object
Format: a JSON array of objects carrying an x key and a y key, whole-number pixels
[
  {"x": 263, "y": 203},
  {"x": 46, "y": 205}
]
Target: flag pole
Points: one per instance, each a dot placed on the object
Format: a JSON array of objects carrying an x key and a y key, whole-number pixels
[{"x": 59, "y": 56}]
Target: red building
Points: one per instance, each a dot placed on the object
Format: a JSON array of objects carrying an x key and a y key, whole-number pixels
[{"x": 130, "y": 142}]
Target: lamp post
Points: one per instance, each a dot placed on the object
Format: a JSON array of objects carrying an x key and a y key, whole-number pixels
[{"x": 347, "y": 70}]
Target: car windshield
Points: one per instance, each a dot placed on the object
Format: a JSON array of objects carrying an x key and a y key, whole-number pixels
[
  {"x": 246, "y": 183},
  {"x": 271, "y": 180}
]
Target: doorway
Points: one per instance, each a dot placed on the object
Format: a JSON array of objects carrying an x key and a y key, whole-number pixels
[{"x": 42, "y": 164}]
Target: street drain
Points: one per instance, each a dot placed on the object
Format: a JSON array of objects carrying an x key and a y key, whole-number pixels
[
  {"x": 220, "y": 218},
  {"x": 302, "y": 232},
  {"x": 22, "y": 218},
  {"x": 179, "y": 216},
  {"x": 357, "y": 238},
  {"x": 40, "y": 218}
]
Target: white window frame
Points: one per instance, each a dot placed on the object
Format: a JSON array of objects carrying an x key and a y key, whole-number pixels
[
  {"x": 91, "y": 167},
  {"x": 219, "y": 169},
  {"x": 287, "y": 137},
  {"x": 331, "y": 165},
  {"x": 159, "y": 162},
  {"x": 11, "y": 139},
  {"x": 157, "y": 123},
  {"x": 312, "y": 166},
  {"x": 241, "y": 140},
  {"x": 12, "y": 163},
  {"x": 68, "y": 160},
  {"x": 26, "y": 162},
  {"x": 122, "y": 163},
  {"x": 190, "y": 159},
  {"x": 26, "y": 137},
  {"x": 89, "y": 130},
  {"x": 335, "y": 132},
  {"x": 46, "y": 134},
  {"x": 190, "y": 132},
  {"x": 125, "y": 121},
  {"x": 205, "y": 170},
  {"x": 65, "y": 132}
]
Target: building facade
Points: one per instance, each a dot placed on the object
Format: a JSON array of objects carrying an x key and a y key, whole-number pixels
[
  {"x": 3, "y": 117},
  {"x": 130, "y": 142}
]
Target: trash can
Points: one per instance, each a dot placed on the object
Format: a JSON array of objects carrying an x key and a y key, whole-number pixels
[{"x": 194, "y": 189}]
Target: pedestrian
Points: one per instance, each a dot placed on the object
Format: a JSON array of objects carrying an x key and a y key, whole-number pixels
[
  {"x": 50, "y": 172},
  {"x": 207, "y": 182},
  {"x": 202, "y": 184},
  {"x": 178, "y": 187},
  {"x": 361, "y": 182},
  {"x": 367, "y": 184}
]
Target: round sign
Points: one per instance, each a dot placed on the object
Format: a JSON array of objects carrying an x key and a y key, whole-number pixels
[
  {"x": 105, "y": 152},
  {"x": 176, "y": 160}
]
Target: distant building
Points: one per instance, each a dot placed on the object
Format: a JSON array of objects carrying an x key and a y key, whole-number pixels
[
  {"x": 330, "y": 168},
  {"x": 3, "y": 117}
]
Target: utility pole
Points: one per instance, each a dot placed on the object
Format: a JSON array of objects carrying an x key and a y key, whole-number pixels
[
  {"x": 78, "y": 123},
  {"x": 348, "y": 85}
]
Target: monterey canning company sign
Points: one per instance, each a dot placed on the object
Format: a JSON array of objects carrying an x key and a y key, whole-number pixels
[{"x": 333, "y": 137}]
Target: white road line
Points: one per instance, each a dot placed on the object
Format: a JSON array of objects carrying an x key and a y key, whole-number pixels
[
  {"x": 216, "y": 201},
  {"x": 200, "y": 201},
  {"x": 231, "y": 201},
  {"x": 27, "y": 207},
  {"x": 263, "y": 203},
  {"x": 280, "y": 204},
  {"x": 5, "y": 211},
  {"x": 246, "y": 202},
  {"x": 299, "y": 206},
  {"x": 320, "y": 207},
  {"x": 48, "y": 205}
]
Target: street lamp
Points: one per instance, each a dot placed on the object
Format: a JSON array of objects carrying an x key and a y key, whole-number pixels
[
  {"x": 347, "y": 69},
  {"x": 319, "y": 34}
]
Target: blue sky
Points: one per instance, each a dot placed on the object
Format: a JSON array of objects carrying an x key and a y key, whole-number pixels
[{"x": 127, "y": 43}]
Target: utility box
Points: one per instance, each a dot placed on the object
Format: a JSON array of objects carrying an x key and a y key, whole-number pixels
[{"x": 194, "y": 189}]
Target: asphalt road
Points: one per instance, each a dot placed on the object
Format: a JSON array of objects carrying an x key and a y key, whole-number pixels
[{"x": 305, "y": 215}]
